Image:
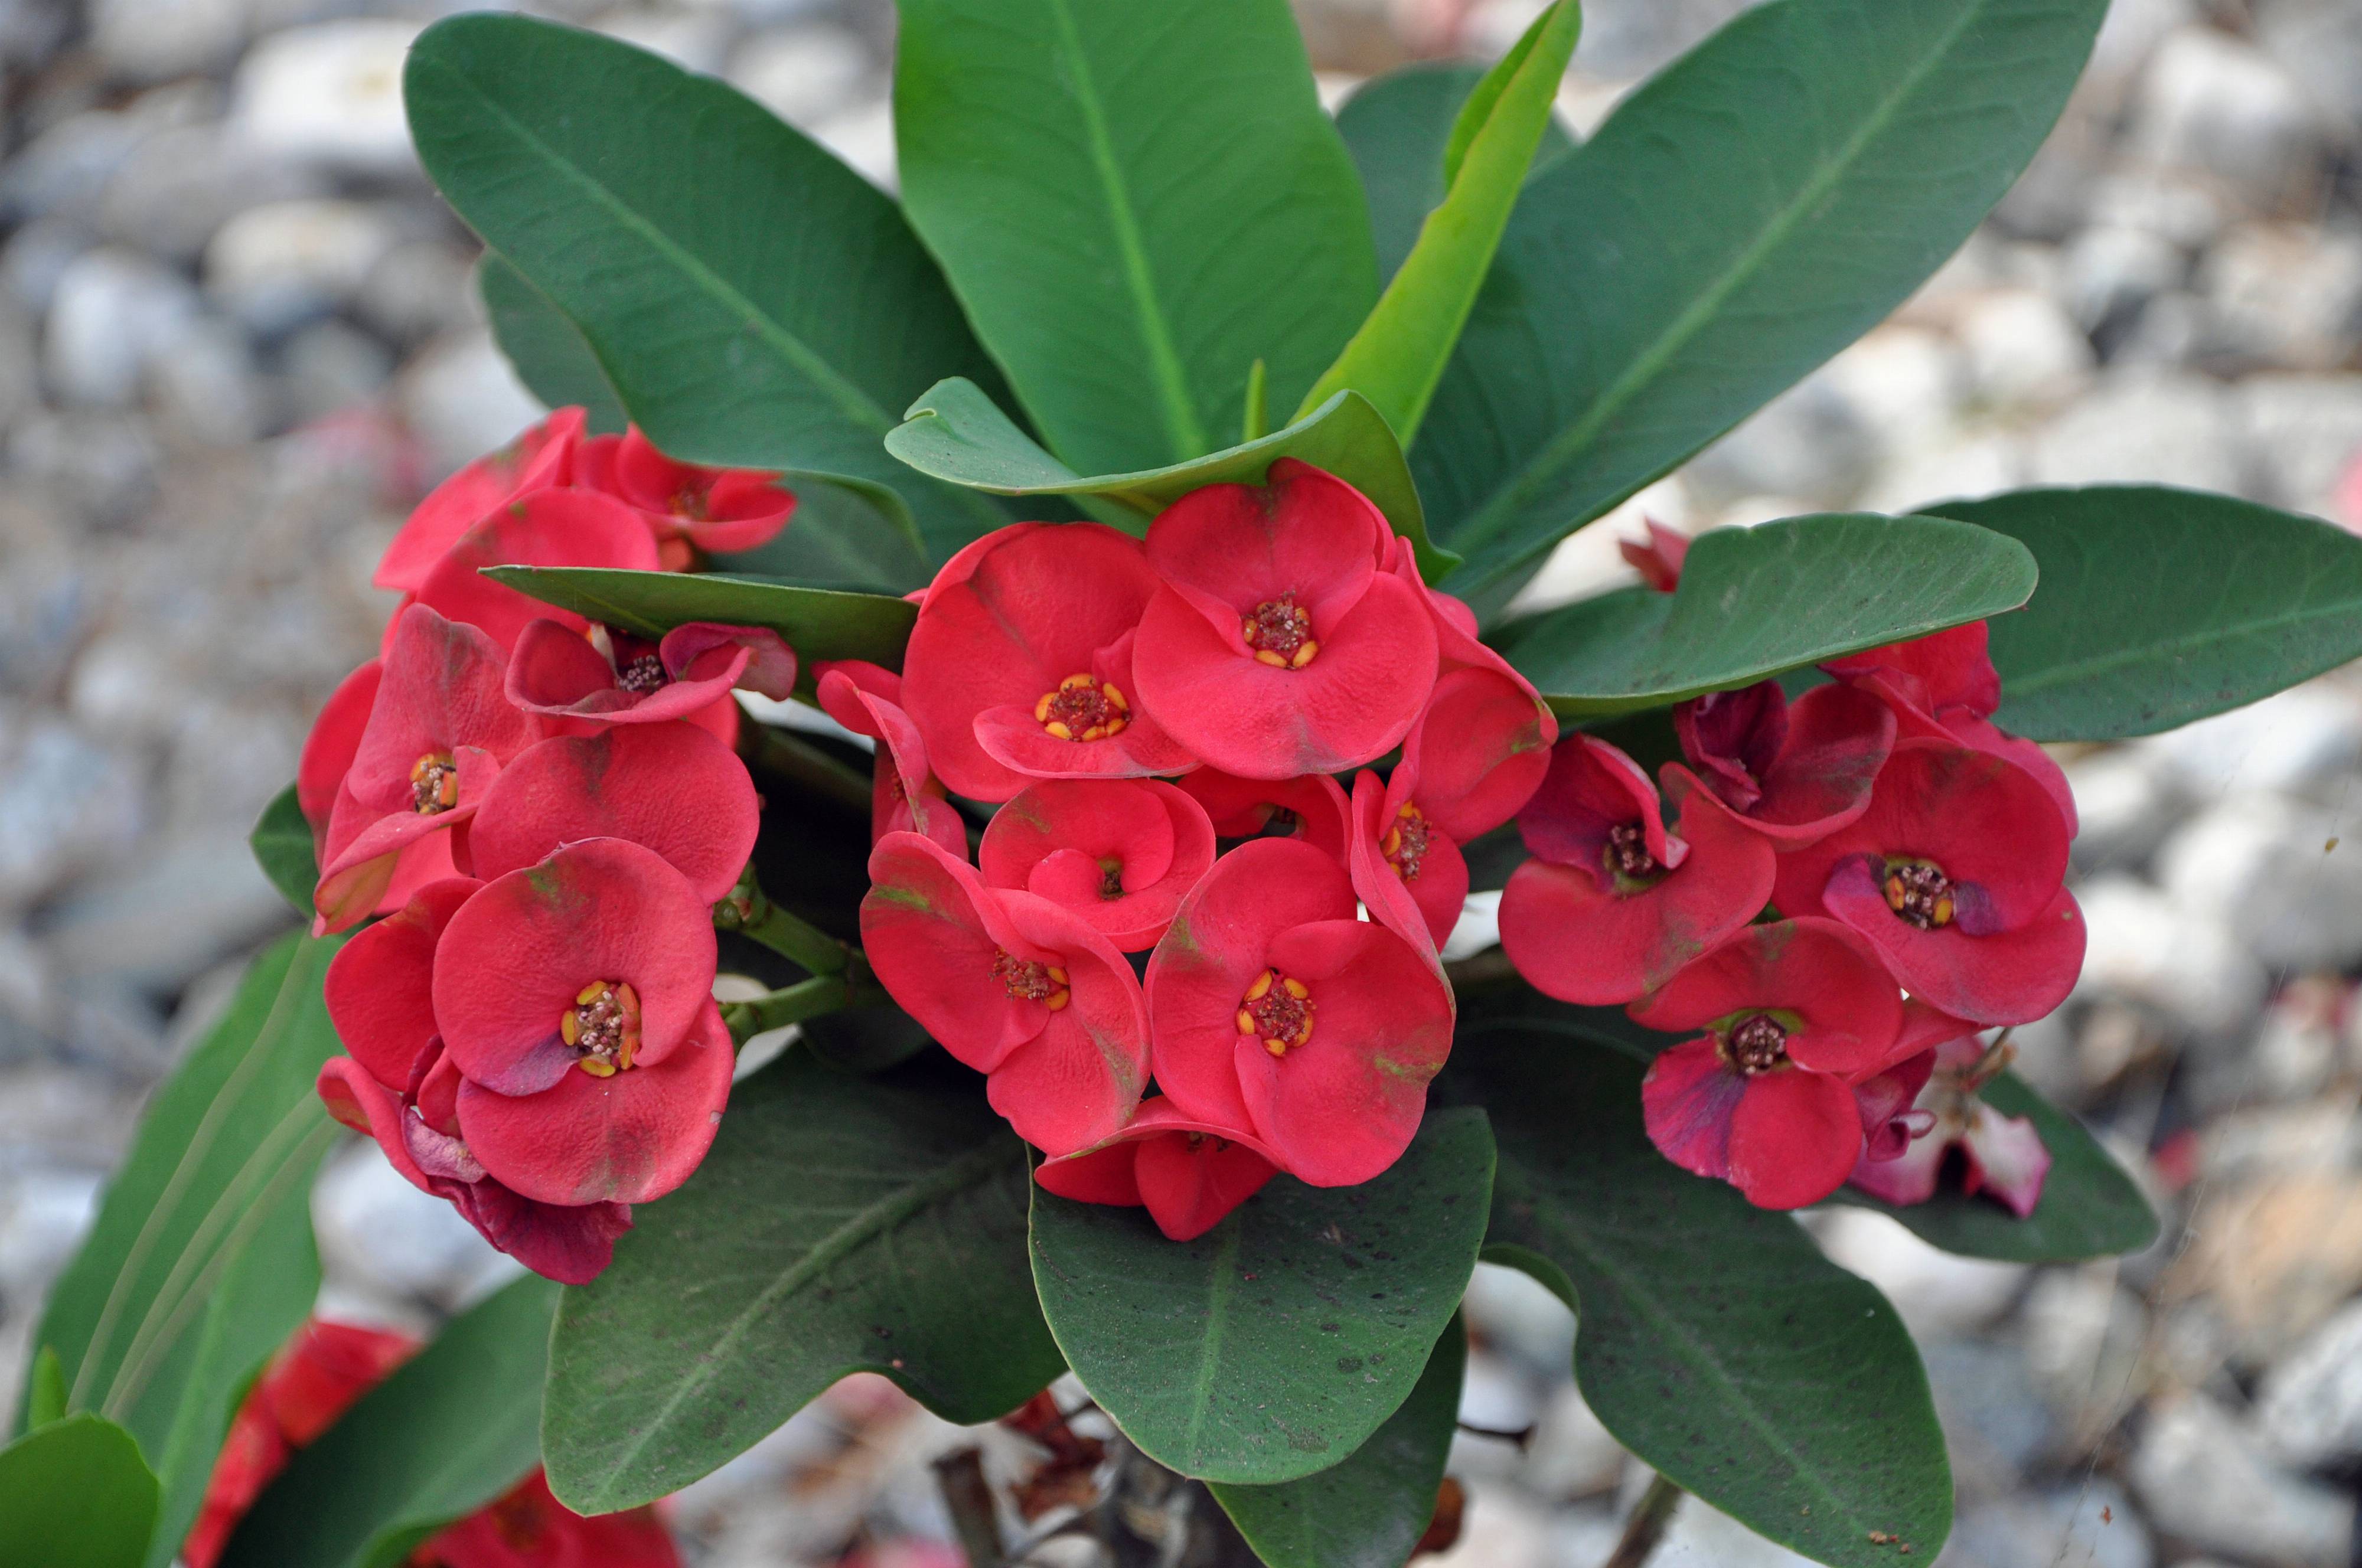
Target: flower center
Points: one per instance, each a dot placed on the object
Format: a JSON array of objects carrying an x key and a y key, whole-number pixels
[
  {"x": 1277, "y": 1010},
  {"x": 1627, "y": 851},
  {"x": 433, "y": 784},
  {"x": 1110, "y": 878},
  {"x": 603, "y": 1027},
  {"x": 1406, "y": 843},
  {"x": 1082, "y": 708},
  {"x": 1919, "y": 892},
  {"x": 642, "y": 675},
  {"x": 1758, "y": 1044},
  {"x": 1029, "y": 981},
  {"x": 1280, "y": 632}
]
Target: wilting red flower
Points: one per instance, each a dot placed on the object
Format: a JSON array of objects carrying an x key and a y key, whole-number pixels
[
  {"x": 541, "y": 459},
  {"x": 1796, "y": 772},
  {"x": 1020, "y": 663},
  {"x": 1276, "y": 644},
  {"x": 1405, "y": 866},
  {"x": 1955, "y": 875},
  {"x": 1793, "y": 1012},
  {"x": 1310, "y": 808},
  {"x": 1613, "y": 903},
  {"x": 1658, "y": 559},
  {"x": 905, "y": 796},
  {"x": 1190, "y": 1174},
  {"x": 715, "y": 511},
  {"x": 531, "y": 1528},
  {"x": 1013, "y": 985},
  {"x": 1120, "y": 853},
  {"x": 2003, "y": 1155},
  {"x": 557, "y": 671},
  {"x": 1274, "y": 1010},
  {"x": 546, "y": 528}
]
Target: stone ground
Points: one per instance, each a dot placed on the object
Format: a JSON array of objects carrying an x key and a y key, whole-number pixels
[{"x": 236, "y": 339}]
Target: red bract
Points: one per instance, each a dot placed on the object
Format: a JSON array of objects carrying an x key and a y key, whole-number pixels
[
  {"x": 548, "y": 528},
  {"x": 335, "y": 736},
  {"x": 380, "y": 987},
  {"x": 2003, "y": 1155},
  {"x": 1120, "y": 853},
  {"x": 541, "y": 459},
  {"x": 905, "y": 796},
  {"x": 1274, "y": 1010},
  {"x": 1311, "y": 809},
  {"x": 531, "y": 1528},
  {"x": 1658, "y": 558},
  {"x": 1020, "y": 663},
  {"x": 1016, "y": 987},
  {"x": 1276, "y": 645},
  {"x": 1795, "y": 772},
  {"x": 689, "y": 507},
  {"x": 1614, "y": 904},
  {"x": 1190, "y": 1174},
  {"x": 1954, "y": 874},
  {"x": 557, "y": 671},
  {"x": 1795, "y": 1013},
  {"x": 1405, "y": 866}
]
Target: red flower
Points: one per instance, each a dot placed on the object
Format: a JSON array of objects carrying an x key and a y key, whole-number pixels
[
  {"x": 548, "y": 528},
  {"x": 1189, "y": 1174},
  {"x": 559, "y": 672},
  {"x": 541, "y": 459},
  {"x": 905, "y": 797},
  {"x": 1120, "y": 853},
  {"x": 1405, "y": 866},
  {"x": 1310, "y": 808},
  {"x": 1795, "y": 772},
  {"x": 1954, "y": 874},
  {"x": 531, "y": 1528},
  {"x": 1793, "y": 1012},
  {"x": 1276, "y": 645},
  {"x": 1020, "y": 663},
  {"x": 2003, "y": 1155},
  {"x": 1659, "y": 558},
  {"x": 380, "y": 987},
  {"x": 1013, "y": 985},
  {"x": 1274, "y": 1010},
  {"x": 715, "y": 511},
  {"x": 1614, "y": 904}
]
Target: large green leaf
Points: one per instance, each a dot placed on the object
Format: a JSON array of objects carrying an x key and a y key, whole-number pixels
[
  {"x": 75, "y": 1493},
  {"x": 1713, "y": 1337},
  {"x": 1754, "y": 602},
  {"x": 1275, "y": 1345},
  {"x": 453, "y": 1428},
  {"x": 281, "y": 841},
  {"x": 547, "y": 353},
  {"x": 201, "y": 1263},
  {"x": 840, "y": 1224},
  {"x": 1135, "y": 202},
  {"x": 1399, "y": 353},
  {"x": 2159, "y": 606},
  {"x": 956, "y": 432},
  {"x": 753, "y": 301},
  {"x": 818, "y": 623},
  {"x": 1739, "y": 219},
  {"x": 1371, "y": 1509}
]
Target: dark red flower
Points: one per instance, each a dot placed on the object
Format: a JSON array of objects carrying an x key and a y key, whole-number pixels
[
  {"x": 905, "y": 795},
  {"x": 1120, "y": 853},
  {"x": 1659, "y": 558},
  {"x": 1955, "y": 875},
  {"x": 1276, "y": 645},
  {"x": 1275, "y": 1009},
  {"x": 1190, "y": 1174},
  {"x": 1013, "y": 985},
  {"x": 711, "y": 511},
  {"x": 2002, "y": 1155},
  {"x": 1311, "y": 808},
  {"x": 1796, "y": 772},
  {"x": 541, "y": 459},
  {"x": 548, "y": 528},
  {"x": 559, "y": 672},
  {"x": 1613, "y": 903},
  {"x": 1795, "y": 1013},
  {"x": 1403, "y": 865},
  {"x": 528, "y": 1527}
]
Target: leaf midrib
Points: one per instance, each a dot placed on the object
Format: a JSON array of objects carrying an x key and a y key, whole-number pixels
[
  {"x": 1218, "y": 1294},
  {"x": 2150, "y": 652}
]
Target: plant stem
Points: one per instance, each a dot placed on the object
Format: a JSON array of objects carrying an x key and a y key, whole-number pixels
[
  {"x": 788, "y": 757},
  {"x": 749, "y": 910},
  {"x": 1646, "y": 1527},
  {"x": 794, "y": 1004}
]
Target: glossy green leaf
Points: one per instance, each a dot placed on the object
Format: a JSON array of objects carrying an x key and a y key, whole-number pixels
[
  {"x": 455, "y": 1427},
  {"x": 1739, "y": 219},
  {"x": 1398, "y": 355},
  {"x": 2159, "y": 606},
  {"x": 841, "y": 1224},
  {"x": 818, "y": 623},
  {"x": 76, "y": 1494},
  {"x": 547, "y": 353},
  {"x": 45, "y": 1392},
  {"x": 1370, "y": 1510},
  {"x": 281, "y": 841},
  {"x": 956, "y": 432},
  {"x": 1275, "y": 1345},
  {"x": 1134, "y": 203},
  {"x": 753, "y": 301},
  {"x": 837, "y": 538},
  {"x": 1713, "y": 1339},
  {"x": 1754, "y": 602},
  {"x": 201, "y": 1262}
]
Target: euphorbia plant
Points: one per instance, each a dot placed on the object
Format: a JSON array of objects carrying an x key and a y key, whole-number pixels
[{"x": 1145, "y": 493}]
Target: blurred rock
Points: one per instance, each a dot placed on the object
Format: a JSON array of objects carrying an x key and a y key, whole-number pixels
[
  {"x": 150, "y": 40},
  {"x": 2308, "y": 1406},
  {"x": 2284, "y": 296},
  {"x": 2023, "y": 348},
  {"x": 2273, "y": 1259},
  {"x": 1703, "y": 1537},
  {"x": 2091, "y": 1526},
  {"x": 113, "y": 311},
  {"x": 203, "y": 387},
  {"x": 329, "y": 94},
  {"x": 2213, "y": 103},
  {"x": 2081, "y": 1333},
  {"x": 67, "y": 165},
  {"x": 418, "y": 288},
  {"x": 382, "y": 1237},
  {"x": 2186, "y": 968},
  {"x": 2158, "y": 427},
  {"x": 1572, "y": 1454},
  {"x": 1516, "y": 1313},
  {"x": 2272, "y": 870},
  {"x": 177, "y": 186},
  {"x": 2113, "y": 270},
  {"x": 1996, "y": 1426},
  {"x": 802, "y": 74},
  {"x": 2292, "y": 743},
  {"x": 43, "y": 1217},
  {"x": 1810, "y": 441},
  {"x": 329, "y": 365},
  {"x": 277, "y": 265},
  {"x": 185, "y": 906},
  {"x": 1937, "y": 1293},
  {"x": 2204, "y": 1480},
  {"x": 463, "y": 400},
  {"x": 696, "y": 40},
  {"x": 66, "y": 805},
  {"x": 2124, "y": 807},
  {"x": 2303, "y": 433}
]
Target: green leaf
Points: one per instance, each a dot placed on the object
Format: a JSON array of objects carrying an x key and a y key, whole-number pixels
[
  {"x": 841, "y": 1224},
  {"x": 455, "y": 1427},
  {"x": 2090, "y": 1208},
  {"x": 76, "y": 1495},
  {"x": 956, "y": 432},
  {"x": 2159, "y": 606},
  {"x": 1275, "y": 1345},
  {"x": 837, "y": 538},
  {"x": 1735, "y": 222},
  {"x": 1713, "y": 1337},
  {"x": 1399, "y": 353},
  {"x": 753, "y": 301},
  {"x": 818, "y": 623},
  {"x": 1134, "y": 203},
  {"x": 201, "y": 1263},
  {"x": 281, "y": 841},
  {"x": 45, "y": 1397},
  {"x": 548, "y": 355},
  {"x": 1754, "y": 602},
  {"x": 1398, "y": 127},
  {"x": 1370, "y": 1510}
]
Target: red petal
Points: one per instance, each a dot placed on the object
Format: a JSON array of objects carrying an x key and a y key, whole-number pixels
[
  {"x": 1481, "y": 750},
  {"x": 1103, "y": 1175},
  {"x": 1191, "y": 1185},
  {"x": 1062, "y": 840},
  {"x": 1817, "y": 969},
  {"x": 1243, "y": 808},
  {"x": 548, "y": 528},
  {"x": 931, "y": 931},
  {"x": 756, "y": 658},
  {"x": 1908, "y": 1177},
  {"x": 1945, "y": 669},
  {"x": 445, "y": 688},
  {"x": 1304, "y": 534},
  {"x": 1079, "y": 1079},
  {"x": 1794, "y": 1139},
  {"x": 378, "y": 987},
  {"x": 2010, "y": 976},
  {"x": 1688, "y": 1100},
  {"x": 335, "y": 736},
  {"x": 537, "y": 460},
  {"x": 2006, "y": 1158},
  {"x": 1589, "y": 788},
  {"x": 1837, "y": 741}
]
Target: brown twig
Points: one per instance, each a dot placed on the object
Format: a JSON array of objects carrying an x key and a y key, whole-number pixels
[
  {"x": 1646, "y": 1527},
  {"x": 960, "y": 1475}
]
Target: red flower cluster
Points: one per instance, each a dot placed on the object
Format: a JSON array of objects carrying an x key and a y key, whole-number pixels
[
  {"x": 312, "y": 1380},
  {"x": 542, "y": 810},
  {"x": 1910, "y": 848},
  {"x": 1260, "y": 640}
]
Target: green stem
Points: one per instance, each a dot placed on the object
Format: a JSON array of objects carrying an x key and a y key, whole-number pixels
[
  {"x": 1646, "y": 1527},
  {"x": 794, "y": 1004},
  {"x": 750, "y": 910},
  {"x": 790, "y": 757}
]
